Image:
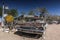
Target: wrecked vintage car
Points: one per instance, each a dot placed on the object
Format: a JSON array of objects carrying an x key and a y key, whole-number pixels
[{"x": 36, "y": 27}]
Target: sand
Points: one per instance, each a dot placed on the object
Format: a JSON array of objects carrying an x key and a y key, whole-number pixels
[{"x": 52, "y": 33}]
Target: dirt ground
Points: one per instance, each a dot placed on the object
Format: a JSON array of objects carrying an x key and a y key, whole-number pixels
[{"x": 52, "y": 33}]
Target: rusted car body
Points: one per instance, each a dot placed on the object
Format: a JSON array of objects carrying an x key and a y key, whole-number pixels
[{"x": 31, "y": 27}]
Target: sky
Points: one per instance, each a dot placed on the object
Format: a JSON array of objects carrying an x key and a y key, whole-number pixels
[{"x": 52, "y": 6}]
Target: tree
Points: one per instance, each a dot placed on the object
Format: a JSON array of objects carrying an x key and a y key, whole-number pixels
[
  {"x": 22, "y": 15},
  {"x": 43, "y": 13},
  {"x": 31, "y": 12},
  {"x": 13, "y": 12}
]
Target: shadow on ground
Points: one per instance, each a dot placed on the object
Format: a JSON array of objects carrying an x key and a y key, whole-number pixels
[{"x": 25, "y": 34}]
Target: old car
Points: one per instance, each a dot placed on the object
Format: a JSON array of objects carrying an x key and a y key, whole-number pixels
[{"x": 32, "y": 28}]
